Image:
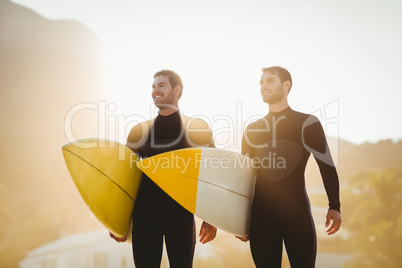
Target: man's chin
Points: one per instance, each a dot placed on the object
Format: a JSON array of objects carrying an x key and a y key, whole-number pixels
[
  {"x": 160, "y": 104},
  {"x": 271, "y": 100},
  {"x": 165, "y": 105},
  {"x": 267, "y": 100}
]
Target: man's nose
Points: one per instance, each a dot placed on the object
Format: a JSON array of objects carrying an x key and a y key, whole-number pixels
[{"x": 264, "y": 86}]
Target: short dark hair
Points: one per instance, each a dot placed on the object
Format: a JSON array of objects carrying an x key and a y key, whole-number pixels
[
  {"x": 174, "y": 78},
  {"x": 281, "y": 72}
]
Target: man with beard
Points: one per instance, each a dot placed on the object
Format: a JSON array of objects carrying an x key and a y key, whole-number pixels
[
  {"x": 156, "y": 216},
  {"x": 280, "y": 144}
]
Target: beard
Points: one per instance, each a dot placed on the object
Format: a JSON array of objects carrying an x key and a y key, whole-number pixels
[
  {"x": 165, "y": 102},
  {"x": 276, "y": 95}
]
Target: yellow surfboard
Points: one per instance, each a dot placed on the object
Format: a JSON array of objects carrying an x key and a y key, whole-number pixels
[
  {"x": 106, "y": 175},
  {"x": 215, "y": 185}
]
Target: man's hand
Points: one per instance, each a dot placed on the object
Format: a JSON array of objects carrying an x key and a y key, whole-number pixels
[
  {"x": 244, "y": 238},
  {"x": 207, "y": 232},
  {"x": 123, "y": 239},
  {"x": 333, "y": 216}
]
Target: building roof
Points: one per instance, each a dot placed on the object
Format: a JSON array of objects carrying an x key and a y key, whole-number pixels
[{"x": 74, "y": 241}]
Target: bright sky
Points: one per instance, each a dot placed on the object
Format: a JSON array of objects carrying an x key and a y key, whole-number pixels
[{"x": 344, "y": 56}]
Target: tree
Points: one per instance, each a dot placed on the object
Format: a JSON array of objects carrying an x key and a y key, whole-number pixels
[{"x": 372, "y": 212}]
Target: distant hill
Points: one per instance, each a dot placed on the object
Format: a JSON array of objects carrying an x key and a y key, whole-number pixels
[
  {"x": 371, "y": 157},
  {"x": 46, "y": 68},
  {"x": 352, "y": 158}
]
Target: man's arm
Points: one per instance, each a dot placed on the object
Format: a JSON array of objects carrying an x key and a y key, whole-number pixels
[
  {"x": 198, "y": 133},
  {"x": 138, "y": 136},
  {"x": 316, "y": 143},
  {"x": 246, "y": 144}
]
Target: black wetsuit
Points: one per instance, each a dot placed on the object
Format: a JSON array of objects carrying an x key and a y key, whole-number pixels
[
  {"x": 156, "y": 215},
  {"x": 281, "y": 209}
]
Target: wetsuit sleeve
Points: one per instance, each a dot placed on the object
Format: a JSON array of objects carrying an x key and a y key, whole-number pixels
[
  {"x": 316, "y": 143},
  {"x": 198, "y": 133},
  {"x": 246, "y": 148}
]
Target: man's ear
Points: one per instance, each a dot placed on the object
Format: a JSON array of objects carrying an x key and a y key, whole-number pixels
[
  {"x": 177, "y": 91},
  {"x": 286, "y": 85}
]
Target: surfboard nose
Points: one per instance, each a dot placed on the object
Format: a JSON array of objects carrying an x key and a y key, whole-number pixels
[{"x": 108, "y": 181}]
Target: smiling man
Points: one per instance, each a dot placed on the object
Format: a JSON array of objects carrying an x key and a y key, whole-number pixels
[
  {"x": 156, "y": 216},
  {"x": 281, "y": 210}
]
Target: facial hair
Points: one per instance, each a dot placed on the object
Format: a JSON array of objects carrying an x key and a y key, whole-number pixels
[
  {"x": 166, "y": 102},
  {"x": 276, "y": 95}
]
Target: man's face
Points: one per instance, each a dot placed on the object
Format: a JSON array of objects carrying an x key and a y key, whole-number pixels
[
  {"x": 163, "y": 94},
  {"x": 272, "y": 89}
]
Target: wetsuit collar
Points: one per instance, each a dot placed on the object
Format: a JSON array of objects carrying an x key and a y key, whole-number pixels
[
  {"x": 285, "y": 111},
  {"x": 170, "y": 115}
]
